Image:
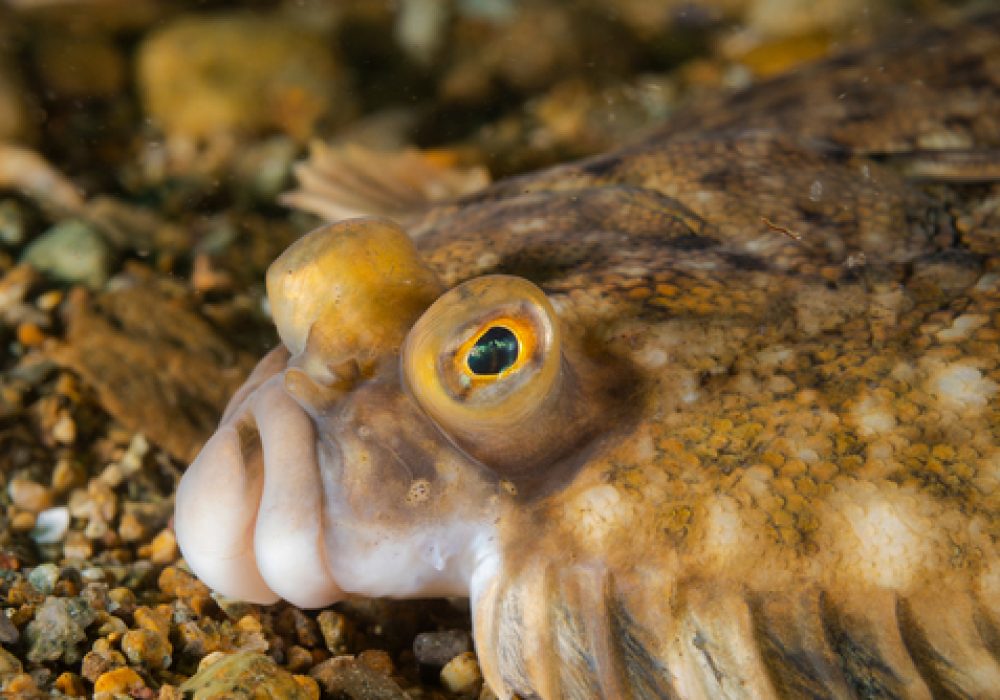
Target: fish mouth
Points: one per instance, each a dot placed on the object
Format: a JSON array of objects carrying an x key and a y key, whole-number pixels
[{"x": 249, "y": 510}]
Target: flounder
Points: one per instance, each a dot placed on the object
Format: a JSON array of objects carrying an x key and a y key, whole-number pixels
[{"x": 715, "y": 415}]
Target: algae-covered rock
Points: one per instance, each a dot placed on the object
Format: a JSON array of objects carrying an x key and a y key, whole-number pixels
[
  {"x": 202, "y": 75},
  {"x": 71, "y": 252},
  {"x": 248, "y": 675}
]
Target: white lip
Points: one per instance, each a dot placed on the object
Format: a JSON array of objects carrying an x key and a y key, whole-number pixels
[{"x": 261, "y": 519}]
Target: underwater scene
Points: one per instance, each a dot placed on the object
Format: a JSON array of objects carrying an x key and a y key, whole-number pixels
[{"x": 495, "y": 349}]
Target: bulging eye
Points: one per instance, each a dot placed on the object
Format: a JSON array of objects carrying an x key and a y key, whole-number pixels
[
  {"x": 484, "y": 362},
  {"x": 493, "y": 352}
]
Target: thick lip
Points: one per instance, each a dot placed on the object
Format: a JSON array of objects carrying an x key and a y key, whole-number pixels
[{"x": 249, "y": 509}]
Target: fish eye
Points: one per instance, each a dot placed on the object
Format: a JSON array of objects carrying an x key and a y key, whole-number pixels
[{"x": 494, "y": 352}]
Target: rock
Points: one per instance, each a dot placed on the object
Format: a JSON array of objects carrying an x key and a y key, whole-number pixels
[
  {"x": 9, "y": 633},
  {"x": 237, "y": 73},
  {"x": 438, "y": 648},
  {"x": 462, "y": 675},
  {"x": 29, "y": 495},
  {"x": 247, "y": 674},
  {"x": 147, "y": 355},
  {"x": 57, "y": 630},
  {"x": 51, "y": 525},
  {"x": 344, "y": 676},
  {"x": 119, "y": 682},
  {"x": 336, "y": 631},
  {"x": 147, "y": 648},
  {"x": 13, "y": 222},
  {"x": 71, "y": 252},
  {"x": 10, "y": 665},
  {"x": 43, "y": 577}
]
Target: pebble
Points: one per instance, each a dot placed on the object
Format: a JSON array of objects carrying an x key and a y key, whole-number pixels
[
  {"x": 22, "y": 521},
  {"x": 67, "y": 474},
  {"x": 58, "y": 629},
  {"x": 64, "y": 431},
  {"x": 9, "y": 664},
  {"x": 345, "y": 676},
  {"x": 51, "y": 525},
  {"x": 9, "y": 633},
  {"x": 12, "y": 222},
  {"x": 71, "y": 252},
  {"x": 100, "y": 659},
  {"x": 119, "y": 681},
  {"x": 43, "y": 577},
  {"x": 163, "y": 548},
  {"x": 148, "y": 648},
  {"x": 335, "y": 630},
  {"x": 77, "y": 546},
  {"x": 180, "y": 584},
  {"x": 70, "y": 684},
  {"x": 29, "y": 495},
  {"x": 204, "y": 74},
  {"x": 232, "y": 672},
  {"x": 462, "y": 675},
  {"x": 438, "y": 648}
]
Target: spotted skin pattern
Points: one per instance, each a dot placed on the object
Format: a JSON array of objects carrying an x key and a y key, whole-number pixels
[
  {"x": 805, "y": 501},
  {"x": 766, "y": 463}
]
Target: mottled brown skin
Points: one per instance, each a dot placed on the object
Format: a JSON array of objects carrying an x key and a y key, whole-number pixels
[
  {"x": 780, "y": 286},
  {"x": 780, "y": 319}
]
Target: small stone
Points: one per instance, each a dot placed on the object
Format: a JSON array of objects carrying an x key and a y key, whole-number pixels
[
  {"x": 12, "y": 222},
  {"x": 21, "y": 685},
  {"x": 147, "y": 648},
  {"x": 120, "y": 681},
  {"x": 231, "y": 672},
  {"x": 438, "y": 648},
  {"x": 163, "y": 548},
  {"x": 154, "y": 619},
  {"x": 48, "y": 301},
  {"x": 43, "y": 577},
  {"x": 51, "y": 525},
  {"x": 169, "y": 692},
  {"x": 462, "y": 675},
  {"x": 71, "y": 252},
  {"x": 57, "y": 630},
  {"x": 100, "y": 660},
  {"x": 22, "y": 521},
  {"x": 77, "y": 546},
  {"x": 29, "y": 334},
  {"x": 29, "y": 495},
  {"x": 122, "y": 600},
  {"x": 8, "y": 630},
  {"x": 67, "y": 474},
  {"x": 112, "y": 475},
  {"x": 9, "y": 664},
  {"x": 377, "y": 660},
  {"x": 180, "y": 584},
  {"x": 130, "y": 528},
  {"x": 200, "y": 75},
  {"x": 70, "y": 684},
  {"x": 344, "y": 676},
  {"x": 298, "y": 658},
  {"x": 335, "y": 630}
]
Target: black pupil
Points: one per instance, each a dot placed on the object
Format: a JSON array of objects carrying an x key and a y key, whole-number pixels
[{"x": 495, "y": 351}]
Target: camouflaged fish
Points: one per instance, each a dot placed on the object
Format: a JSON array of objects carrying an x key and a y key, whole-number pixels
[{"x": 714, "y": 416}]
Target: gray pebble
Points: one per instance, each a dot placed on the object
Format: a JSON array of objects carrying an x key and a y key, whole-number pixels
[
  {"x": 43, "y": 577},
  {"x": 438, "y": 648},
  {"x": 71, "y": 252},
  {"x": 8, "y": 630},
  {"x": 57, "y": 630}
]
